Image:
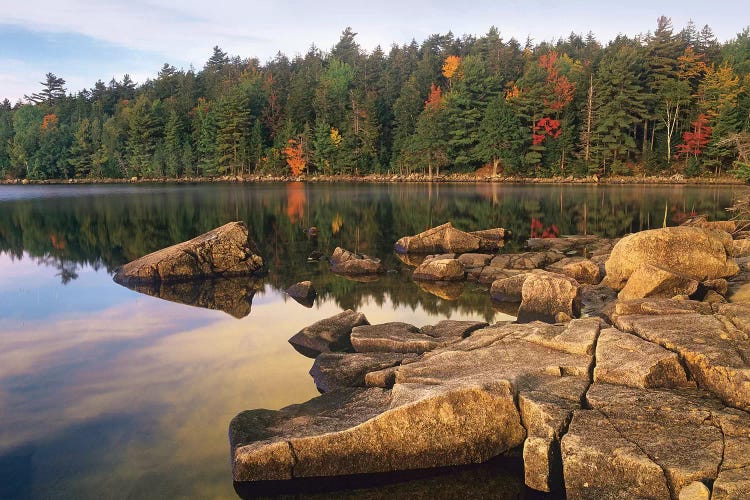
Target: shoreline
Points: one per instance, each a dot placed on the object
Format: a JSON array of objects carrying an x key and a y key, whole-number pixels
[{"x": 391, "y": 178}]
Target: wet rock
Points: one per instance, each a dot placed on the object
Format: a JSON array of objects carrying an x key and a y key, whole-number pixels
[
  {"x": 334, "y": 370},
  {"x": 234, "y": 296},
  {"x": 653, "y": 281},
  {"x": 439, "y": 270},
  {"x": 226, "y": 251},
  {"x": 697, "y": 253},
  {"x": 544, "y": 296},
  {"x": 328, "y": 335},
  {"x": 352, "y": 264},
  {"x": 303, "y": 292},
  {"x": 446, "y": 238},
  {"x": 713, "y": 350},
  {"x": 624, "y": 359},
  {"x": 584, "y": 271}
]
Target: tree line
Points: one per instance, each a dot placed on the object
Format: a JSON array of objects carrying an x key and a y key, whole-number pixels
[{"x": 666, "y": 102}]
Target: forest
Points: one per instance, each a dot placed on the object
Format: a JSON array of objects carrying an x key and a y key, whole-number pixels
[{"x": 662, "y": 103}]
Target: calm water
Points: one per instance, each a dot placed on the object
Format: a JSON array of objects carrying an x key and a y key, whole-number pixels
[{"x": 109, "y": 393}]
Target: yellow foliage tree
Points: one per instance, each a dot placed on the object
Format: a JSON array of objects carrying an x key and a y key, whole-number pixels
[{"x": 450, "y": 66}]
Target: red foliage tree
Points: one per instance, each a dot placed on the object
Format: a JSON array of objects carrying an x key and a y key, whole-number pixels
[
  {"x": 697, "y": 140},
  {"x": 435, "y": 100}
]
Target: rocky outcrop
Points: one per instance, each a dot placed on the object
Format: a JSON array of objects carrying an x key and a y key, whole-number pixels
[
  {"x": 697, "y": 253},
  {"x": 549, "y": 297},
  {"x": 353, "y": 264},
  {"x": 446, "y": 238},
  {"x": 439, "y": 270},
  {"x": 234, "y": 296},
  {"x": 226, "y": 251},
  {"x": 652, "y": 281},
  {"x": 303, "y": 292},
  {"x": 328, "y": 335}
]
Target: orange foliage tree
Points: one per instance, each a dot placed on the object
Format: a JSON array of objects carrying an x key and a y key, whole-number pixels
[
  {"x": 295, "y": 157},
  {"x": 49, "y": 121}
]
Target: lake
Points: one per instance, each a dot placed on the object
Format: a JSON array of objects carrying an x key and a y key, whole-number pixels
[{"x": 110, "y": 393}]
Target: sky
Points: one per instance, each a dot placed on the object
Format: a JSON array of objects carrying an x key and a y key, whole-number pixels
[{"x": 83, "y": 41}]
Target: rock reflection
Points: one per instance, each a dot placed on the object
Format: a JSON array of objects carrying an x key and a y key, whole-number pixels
[
  {"x": 234, "y": 296},
  {"x": 447, "y": 290}
]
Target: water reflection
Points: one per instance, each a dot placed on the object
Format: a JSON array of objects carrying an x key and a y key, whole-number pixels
[
  {"x": 234, "y": 296},
  {"x": 107, "y": 391}
]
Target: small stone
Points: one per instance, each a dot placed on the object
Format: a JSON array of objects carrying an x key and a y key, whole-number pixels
[
  {"x": 303, "y": 292},
  {"x": 695, "y": 491},
  {"x": 545, "y": 294},
  {"x": 328, "y": 335},
  {"x": 439, "y": 270}
]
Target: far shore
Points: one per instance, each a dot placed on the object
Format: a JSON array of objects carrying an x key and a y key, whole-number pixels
[{"x": 676, "y": 179}]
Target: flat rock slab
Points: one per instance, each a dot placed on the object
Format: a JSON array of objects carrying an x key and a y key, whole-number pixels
[
  {"x": 353, "y": 264},
  {"x": 646, "y": 443},
  {"x": 222, "y": 252},
  {"x": 625, "y": 359},
  {"x": 328, "y": 335},
  {"x": 697, "y": 253}
]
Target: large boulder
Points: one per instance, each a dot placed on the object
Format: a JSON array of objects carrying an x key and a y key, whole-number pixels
[
  {"x": 439, "y": 270},
  {"x": 697, "y": 253},
  {"x": 222, "y": 252},
  {"x": 328, "y": 335},
  {"x": 353, "y": 264},
  {"x": 653, "y": 281},
  {"x": 549, "y": 297},
  {"x": 446, "y": 238}
]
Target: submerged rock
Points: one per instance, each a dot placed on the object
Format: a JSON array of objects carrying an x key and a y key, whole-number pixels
[
  {"x": 697, "y": 253},
  {"x": 446, "y": 238},
  {"x": 222, "y": 252},
  {"x": 328, "y": 335},
  {"x": 352, "y": 264}
]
